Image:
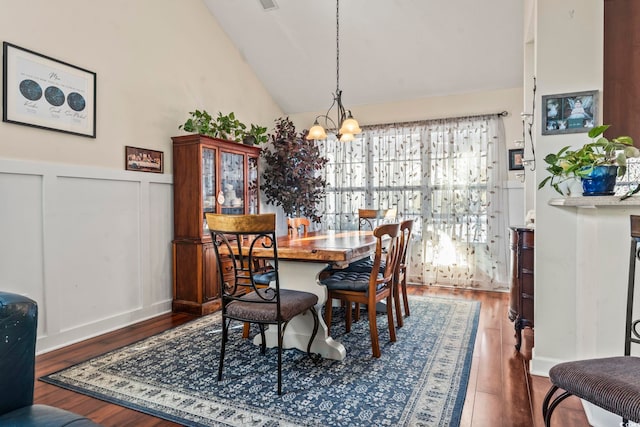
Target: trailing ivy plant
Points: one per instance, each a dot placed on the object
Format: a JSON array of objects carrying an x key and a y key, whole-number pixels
[
  {"x": 223, "y": 126},
  {"x": 291, "y": 177}
]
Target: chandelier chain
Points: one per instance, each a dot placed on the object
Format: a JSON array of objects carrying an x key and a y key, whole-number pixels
[{"x": 337, "y": 46}]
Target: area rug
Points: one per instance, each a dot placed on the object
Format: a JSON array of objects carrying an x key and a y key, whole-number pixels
[{"x": 420, "y": 380}]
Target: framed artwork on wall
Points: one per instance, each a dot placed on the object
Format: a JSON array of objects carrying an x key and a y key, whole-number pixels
[
  {"x": 515, "y": 159},
  {"x": 569, "y": 112},
  {"x": 144, "y": 160},
  {"x": 46, "y": 93}
]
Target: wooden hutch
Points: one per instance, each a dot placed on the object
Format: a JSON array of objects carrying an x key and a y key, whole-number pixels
[{"x": 209, "y": 175}]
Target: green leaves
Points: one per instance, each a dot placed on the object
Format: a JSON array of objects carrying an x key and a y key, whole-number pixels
[{"x": 570, "y": 164}]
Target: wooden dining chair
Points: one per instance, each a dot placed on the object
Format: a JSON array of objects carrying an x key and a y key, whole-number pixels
[
  {"x": 400, "y": 277},
  {"x": 368, "y": 219},
  {"x": 298, "y": 227},
  {"x": 611, "y": 383},
  {"x": 235, "y": 238},
  {"x": 368, "y": 288}
]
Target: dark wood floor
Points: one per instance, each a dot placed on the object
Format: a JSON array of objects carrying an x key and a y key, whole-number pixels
[{"x": 500, "y": 392}]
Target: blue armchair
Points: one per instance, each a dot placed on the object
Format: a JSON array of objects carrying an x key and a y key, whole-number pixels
[{"x": 18, "y": 324}]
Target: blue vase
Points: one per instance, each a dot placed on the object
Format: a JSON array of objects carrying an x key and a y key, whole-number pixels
[{"x": 600, "y": 182}]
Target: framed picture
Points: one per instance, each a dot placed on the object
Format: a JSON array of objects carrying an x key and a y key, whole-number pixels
[
  {"x": 515, "y": 159},
  {"x": 46, "y": 93},
  {"x": 143, "y": 160},
  {"x": 569, "y": 112}
]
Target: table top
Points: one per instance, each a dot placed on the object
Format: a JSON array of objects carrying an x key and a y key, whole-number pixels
[{"x": 336, "y": 247}]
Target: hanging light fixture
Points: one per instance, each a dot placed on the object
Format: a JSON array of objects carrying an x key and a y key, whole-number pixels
[{"x": 348, "y": 125}]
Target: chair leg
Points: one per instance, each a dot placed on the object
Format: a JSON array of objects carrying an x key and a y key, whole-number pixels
[
  {"x": 263, "y": 344},
  {"x": 356, "y": 311},
  {"x": 280, "y": 333},
  {"x": 348, "y": 317},
  {"x": 373, "y": 328},
  {"x": 405, "y": 299},
  {"x": 392, "y": 326},
  {"x": 225, "y": 331},
  {"x": 245, "y": 329},
  {"x": 315, "y": 329},
  {"x": 547, "y": 409},
  {"x": 396, "y": 301}
]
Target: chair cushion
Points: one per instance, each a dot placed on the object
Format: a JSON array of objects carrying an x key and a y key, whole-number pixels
[
  {"x": 350, "y": 281},
  {"x": 43, "y": 415},
  {"x": 264, "y": 278},
  {"x": 364, "y": 266},
  {"x": 292, "y": 303},
  {"x": 612, "y": 383}
]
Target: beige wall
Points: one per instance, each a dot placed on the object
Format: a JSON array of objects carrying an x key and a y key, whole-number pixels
[{"x": 155, "y": 61}]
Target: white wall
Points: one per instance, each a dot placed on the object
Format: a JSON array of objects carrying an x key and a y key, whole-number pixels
[
  {"x": 89, "y": 241},
  {"x": 576, "y": 66}
]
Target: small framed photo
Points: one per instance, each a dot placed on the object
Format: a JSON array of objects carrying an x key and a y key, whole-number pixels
[
  {"x": 569, "y": 112},
  {"x": 515, "y": 159},
  {"x": 144, "y": 160},
  {"x": 46, "y": 93}
]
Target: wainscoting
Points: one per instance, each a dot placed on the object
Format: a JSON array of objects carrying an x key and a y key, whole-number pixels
[{"x": 92, "y": 246}]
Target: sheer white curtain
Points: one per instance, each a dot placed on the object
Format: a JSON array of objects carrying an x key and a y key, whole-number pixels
[{"x": 447, "y": 175}]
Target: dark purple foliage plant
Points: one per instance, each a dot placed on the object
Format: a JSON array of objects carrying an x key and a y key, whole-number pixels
[{"x": 291, "y": 177}]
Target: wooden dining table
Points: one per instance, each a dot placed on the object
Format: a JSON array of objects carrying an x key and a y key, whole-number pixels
[{"x": 301, "y": 259}]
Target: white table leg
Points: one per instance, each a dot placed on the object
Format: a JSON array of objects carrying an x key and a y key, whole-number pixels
[{"x": 303, "y": 276}]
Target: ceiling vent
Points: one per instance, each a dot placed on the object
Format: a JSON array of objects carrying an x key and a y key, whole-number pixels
[{"x": 269, "y": 4}]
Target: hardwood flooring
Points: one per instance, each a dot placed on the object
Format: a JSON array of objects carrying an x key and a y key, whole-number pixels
[{"x": 501, "y": 393}]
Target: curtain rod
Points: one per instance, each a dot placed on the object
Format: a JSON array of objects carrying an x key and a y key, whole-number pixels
[{"x": 427, "y": 121}]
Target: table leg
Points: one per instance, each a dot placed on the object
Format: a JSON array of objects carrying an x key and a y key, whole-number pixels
[{"x": 303, "y": 276}]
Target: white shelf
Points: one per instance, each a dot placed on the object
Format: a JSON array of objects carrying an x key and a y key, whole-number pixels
[{"x": 595, "y": 201}]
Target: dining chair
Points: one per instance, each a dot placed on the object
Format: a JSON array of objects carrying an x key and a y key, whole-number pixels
[
  {"x": 368, "y": 288},
  {"x": 298, "y": 227},
  {"x": 399, "y": 279},
  {"x": 368, "y": 219},
  {"x": 237, "y": 237},
  {"x": 611, "y": 383}
]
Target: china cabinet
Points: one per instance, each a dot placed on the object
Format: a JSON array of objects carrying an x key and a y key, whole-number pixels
[
  {"x": 521, "y": 292},
  {"x": 209, "y": 175}
]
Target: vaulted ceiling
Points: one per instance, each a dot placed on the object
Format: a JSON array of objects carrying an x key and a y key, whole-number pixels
[{"x": 390, "y": 50}]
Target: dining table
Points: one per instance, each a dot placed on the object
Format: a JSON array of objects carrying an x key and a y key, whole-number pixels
[{"x": 301, "y": 259}]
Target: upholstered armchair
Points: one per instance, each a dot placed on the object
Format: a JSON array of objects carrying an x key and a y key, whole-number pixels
[{"x": 18, "y": 323}]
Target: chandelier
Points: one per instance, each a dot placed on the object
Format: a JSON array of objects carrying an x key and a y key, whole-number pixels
[{"x": 348, "y": 125}]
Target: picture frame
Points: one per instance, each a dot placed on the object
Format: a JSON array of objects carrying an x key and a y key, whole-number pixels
[
  {"x": 569, "y": 112},
  {"x": 43, "y": 92},
  {"x": 143, "y": 160},
  {"x": 515, "y": 159}
]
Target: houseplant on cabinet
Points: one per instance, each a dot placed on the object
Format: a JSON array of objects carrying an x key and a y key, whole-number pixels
[
  {"x": 223, "y": 126},
  {"x": 596, "y": 164},
  {"x": 291, "y": 175}
]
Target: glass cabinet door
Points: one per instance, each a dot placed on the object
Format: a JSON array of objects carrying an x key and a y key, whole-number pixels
[
  {"x": 253, "y": 185},
  {"x": 208, "y": 180},
  {"x": 232, "y": 177}
]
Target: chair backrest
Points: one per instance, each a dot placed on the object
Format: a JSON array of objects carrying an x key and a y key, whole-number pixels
[
  {"x": 387, "y": 245},
  {"x": 298, "y": 226},
  {"x": 236, "y": 239},
  {"x": 368, "y": 219},
  {"x": 406, "y": 227}
]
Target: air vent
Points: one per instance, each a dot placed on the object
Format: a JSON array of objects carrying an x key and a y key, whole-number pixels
[{"x": 269, "y": 4}]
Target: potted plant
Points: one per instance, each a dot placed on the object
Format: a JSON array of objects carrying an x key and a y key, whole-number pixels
[
  {"x": 256, "y": 135},
  {"x": 290, "y": 178},
  {"x": 596, "y": 164},
  {"x": 223, "y": 126}
]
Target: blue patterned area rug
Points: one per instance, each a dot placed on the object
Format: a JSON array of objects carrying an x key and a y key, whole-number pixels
[{"x": 420, "y": 380}]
